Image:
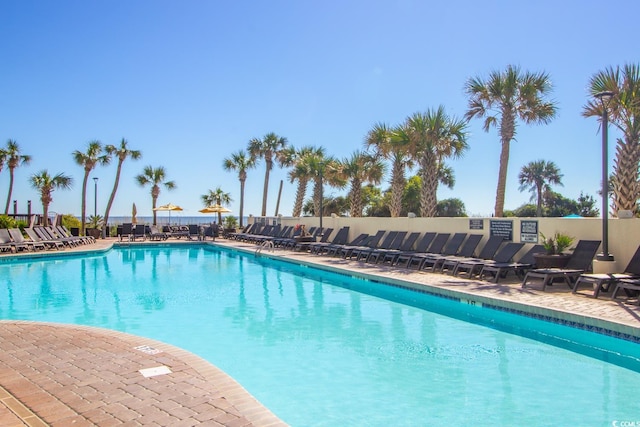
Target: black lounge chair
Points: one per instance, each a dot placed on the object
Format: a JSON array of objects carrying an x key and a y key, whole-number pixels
[
  {"x": 472, "y": 267},
  {"x": 603, "y": 281},
  {"x": 52, "y": 234},
  {"x": 339, "y": 239},
  {"x": 53, "y": 244},
  {"x": 85, "y": 240},
  {"x": 334, "y": 249},
  {"x": 127, "y": 231},
  {"x": 434, "y": 261},
  {"x": 369, "y": 242},
  {"x": 305, "y": 246},
  {"x": 44, "y": 235},
  {"x": 421, "y": 247},
  {"x": 631, "y": 288},
  {"x": 16, "y": 236},
  {"x": 395, "y": 244},
  {"x": 435, "y": 248},
  {"x": 467, "y": 251},
  {"x": 194, "y": 232},
  {"x": 579, "y": 262},
  {"x": 362, "y": 254},
  {"x": 500, "y": 270},
  {"x": 7, "y": 244},
  {"x": 391, "y": 255},
  {"x": 156, "y": 234},
  {"x": 488, "y": 251}
]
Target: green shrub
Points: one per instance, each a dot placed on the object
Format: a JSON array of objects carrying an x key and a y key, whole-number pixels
[
  {"x": 7, "y": 222},
  {"x": 70, "y": 221}
]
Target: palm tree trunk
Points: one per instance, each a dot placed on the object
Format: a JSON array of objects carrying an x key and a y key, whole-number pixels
[
  {"x": 355, "y": 199},
  {"x": 266, "y": 189},
  {"x": 300, "y": 193},
  {"x": 397, "y": 186},
  {"x": 84, "y": 202},
  {"x": 317, "y": 194},
  {"x": 111, "y": 198},
  {"x": 625, "y": 169},
  {"x": 539, "y": 204},
  {"x": 241, "y": 201},
  {"x": 507, "y": 129},
  {"x": 155, "y": 192},
  {"x": 46, "y": 199},
  {"x": 6, "y": 208},
  {"x": 429, "y": 185}
]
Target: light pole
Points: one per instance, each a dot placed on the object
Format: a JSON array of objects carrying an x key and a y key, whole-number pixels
[
  {"x": 95, "y": 196},
  {"x": 605, "y": 98},
  {"x": 321, "y": 196}
]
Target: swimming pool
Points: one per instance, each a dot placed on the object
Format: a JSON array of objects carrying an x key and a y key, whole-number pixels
[{"x": 325, "y": 349}]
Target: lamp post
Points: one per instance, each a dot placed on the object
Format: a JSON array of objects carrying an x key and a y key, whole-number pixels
[
  {"x": 321, "y": 196},
  {"x": 604, "y": 98},
  {"x": 95, "y": 196}
]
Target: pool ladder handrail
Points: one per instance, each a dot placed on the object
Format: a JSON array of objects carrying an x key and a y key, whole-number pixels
[{"x": 266, "y": 244}]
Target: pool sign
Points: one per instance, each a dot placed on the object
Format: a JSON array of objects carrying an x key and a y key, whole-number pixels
[
  {"x": 502, "y": 228},
  {"x": 529, "y": 231}
]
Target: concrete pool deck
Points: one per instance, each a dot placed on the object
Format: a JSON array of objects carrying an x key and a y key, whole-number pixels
[{"x": 62, "y": 375}]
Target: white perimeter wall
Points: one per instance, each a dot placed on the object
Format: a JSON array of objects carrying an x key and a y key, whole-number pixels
[{"x": 624, "y": 234}]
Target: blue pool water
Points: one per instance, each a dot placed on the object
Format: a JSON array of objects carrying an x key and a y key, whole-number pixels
[{"x": 322, "y": 349}]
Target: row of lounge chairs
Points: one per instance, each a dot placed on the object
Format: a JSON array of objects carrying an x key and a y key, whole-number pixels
[
  {"x": 456, "y": 255},
  {"x": 40, "y": 238},
  {"x": 133, "y": 232}
]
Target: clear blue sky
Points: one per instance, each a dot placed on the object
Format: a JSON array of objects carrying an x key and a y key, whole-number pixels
[{"x": 190, "y": 82}]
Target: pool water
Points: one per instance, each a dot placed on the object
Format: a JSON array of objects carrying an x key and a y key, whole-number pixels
[{"x": 323, "y": 349}]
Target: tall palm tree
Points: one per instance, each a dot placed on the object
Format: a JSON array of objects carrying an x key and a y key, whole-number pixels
[
  {"x": 88, "y": 160},
  {"x": 13, "y": 158},
  {"x": 46, "y": 184},
  {"x": 268, "y": 149},
  {"x": 537, "y": 177},
  {"x": 241, "y": 162},
  {"x": 122, "y": 153},
  {"x": 216, "y": 197},
  {"x": 502, "y": 99},
  {"x": 324, "y": 170},
  {"x": 388, "y": 145},
  {"x": 154, "y": 177},
  {"x": 302, "y": 171},
  {"x": 433, "y": 136},
  {"x": 361, "y": 168},
  {"x": 624, "y": 113}
]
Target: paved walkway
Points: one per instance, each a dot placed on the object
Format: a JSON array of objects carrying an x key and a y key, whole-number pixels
[{"x": 62, "y": 375}]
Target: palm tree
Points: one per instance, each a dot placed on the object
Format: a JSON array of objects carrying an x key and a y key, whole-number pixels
[
  {"x": 122, "y": 153},
  {"x": 268, "y": 149},
  {"x": 154, "y": 177},
  {"x": 13, "y": 158},
  {"x": 501, "y": 100},
  {"x": 624, "y": 113},
  {"x": 240, "y": 162},
  {"x": 302, "y": 172},
  {"x": 433, "y": 136},
  {"x": 46, "y": 184},
  {"x": 359, "y": 169},
  {"x": 88, "y": 160},
  {"x": 216, "y": 197},
  {"x": 537, "y": 176},
  {"x": 389, "y": 146},
  {"x": 324, "y": 170}
]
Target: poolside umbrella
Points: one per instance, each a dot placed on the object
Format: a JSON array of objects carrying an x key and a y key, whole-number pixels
[
  {"x": 134, "y": 212},
  {"x": 216, "y": 209},
  {"x": 168, "y": 207}
]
